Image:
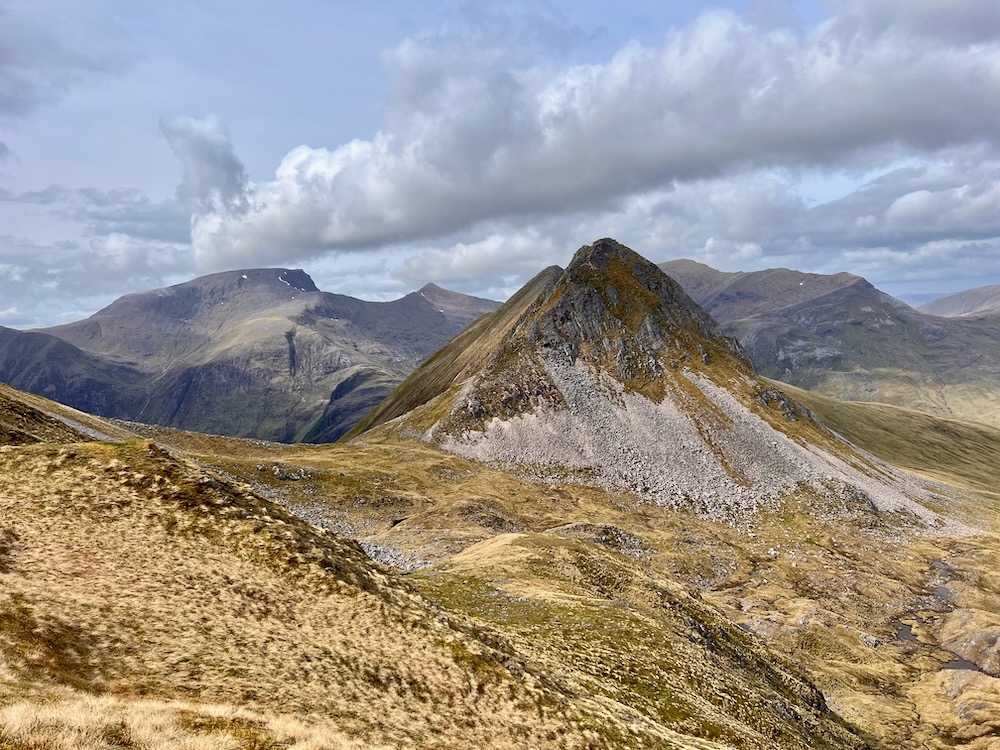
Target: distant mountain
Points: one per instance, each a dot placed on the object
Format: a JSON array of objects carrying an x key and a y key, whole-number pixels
[
  {"x": 252, "y": 353},
  {"x": 984, "y": 300},
  {"x": 610, "y": 374},
  {"x": 48, "y": 366},
  {"x": 840, "y": 336}
]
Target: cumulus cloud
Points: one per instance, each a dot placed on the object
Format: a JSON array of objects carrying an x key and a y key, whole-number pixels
[
  {"x": 214, "y": 178},
  {"x": 495, "y": 266},
  {"x": 474, "y": 134},
  {"x": 757, "y": 220}
]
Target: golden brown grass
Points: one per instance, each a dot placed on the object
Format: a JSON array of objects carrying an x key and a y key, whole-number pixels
[
  {"x": 88, "y": 722},
  {"x": 840, "y": 573},
  {"x": 129, "y": 573},
  {"x": 589, "y": 638},
  {"x": 637, "y": 644}
]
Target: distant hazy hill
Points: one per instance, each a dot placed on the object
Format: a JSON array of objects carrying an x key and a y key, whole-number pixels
[
  {"x": 841, "y": 336},
  {"x": 251, "y": 353},
  {"x": 984, "y": 300}
]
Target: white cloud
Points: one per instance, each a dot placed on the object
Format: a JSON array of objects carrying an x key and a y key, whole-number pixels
[
  {"x": 213, "y": 175},
  {"x": 495, "y": 265},
  {"x": 959, "y": 22},
  {"x": 43, "y": 282},
  {"x": 474, "y": 135}
]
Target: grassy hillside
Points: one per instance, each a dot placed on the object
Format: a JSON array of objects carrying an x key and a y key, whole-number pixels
[
  {"x": 149, "y": 602},
  {"x": 961, "y": 454},
  {"x": 132, "y": 575},
  {"x": 569, "y": 573},
  {"x": 155, "y": 599}
]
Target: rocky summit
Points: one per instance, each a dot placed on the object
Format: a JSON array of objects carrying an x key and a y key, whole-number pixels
[{"x": 613, "y": 375}]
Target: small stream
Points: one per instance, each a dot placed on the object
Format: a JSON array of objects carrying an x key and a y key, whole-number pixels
[{"x": 943, "y": 598}]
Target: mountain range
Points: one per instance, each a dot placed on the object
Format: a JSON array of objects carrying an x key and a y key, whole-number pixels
[
  {"x": 262, "y": 353},
  {"x": 840, "y": 336},
  {"x": 586, "y": 522},
  {"x": 252, "y": 353}
]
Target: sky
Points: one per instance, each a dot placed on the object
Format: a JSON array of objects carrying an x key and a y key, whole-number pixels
[{"x": 388, "y": 144}]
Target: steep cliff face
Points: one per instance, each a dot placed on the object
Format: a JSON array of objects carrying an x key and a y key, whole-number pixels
[{"x": 256, "y": 353}]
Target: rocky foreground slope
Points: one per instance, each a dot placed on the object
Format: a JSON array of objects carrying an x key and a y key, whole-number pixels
[
  {"x": 840, "y": 336},
  {"x": 252, "y": 353}
]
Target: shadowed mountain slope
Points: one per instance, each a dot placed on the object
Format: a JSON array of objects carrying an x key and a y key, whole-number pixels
[
  {"x": 984, "y": 300},
  {"x": 48, "y": 366},
  {"x": 840, "y": 336},
  {"x": 252, "y": 353}
]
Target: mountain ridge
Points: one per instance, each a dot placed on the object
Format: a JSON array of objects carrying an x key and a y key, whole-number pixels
[
  {"x": 983, "y": 300},
  {"x": 250, "y": 353},
  {"x": 841, "y": 336}
]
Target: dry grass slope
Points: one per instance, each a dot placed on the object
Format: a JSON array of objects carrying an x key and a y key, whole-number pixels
[
  {"x": 962, "y": 454},
  {"x": 125, "y": 572},
  {"x": 22, "y": 424}
]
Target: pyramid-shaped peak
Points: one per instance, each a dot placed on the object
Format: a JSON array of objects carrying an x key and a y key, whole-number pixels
[
  {"x": 609, "y": 373},
  {"x": 613, "y": 305}
]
